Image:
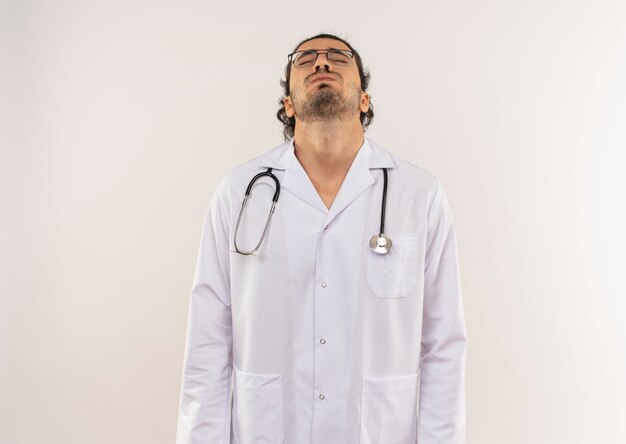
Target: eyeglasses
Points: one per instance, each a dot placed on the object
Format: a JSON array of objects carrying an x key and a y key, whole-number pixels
[{"x": 339, "y": 58}]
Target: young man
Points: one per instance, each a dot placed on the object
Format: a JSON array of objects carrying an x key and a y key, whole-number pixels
[{"x": 328, "y": 308}]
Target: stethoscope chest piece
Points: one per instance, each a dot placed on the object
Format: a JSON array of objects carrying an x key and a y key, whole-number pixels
[{"x": 380, "y": 243}]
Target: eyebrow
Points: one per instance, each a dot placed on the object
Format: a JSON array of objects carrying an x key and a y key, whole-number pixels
[{"x": 322, "y": 49}]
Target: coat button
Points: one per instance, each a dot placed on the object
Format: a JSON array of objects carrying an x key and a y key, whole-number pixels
[
  {"x": 322, "y": 341},
  {"x": 323, "y": 284},
  {"x": 322, "y": 396}
]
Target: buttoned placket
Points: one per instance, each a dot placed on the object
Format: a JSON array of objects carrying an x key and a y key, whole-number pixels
[
  {"x": 322, "y": 303},
  {"x": 333, "y": 299}
]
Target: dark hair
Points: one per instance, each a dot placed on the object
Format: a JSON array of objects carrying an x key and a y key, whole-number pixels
[{"x": 290, "y": 122}]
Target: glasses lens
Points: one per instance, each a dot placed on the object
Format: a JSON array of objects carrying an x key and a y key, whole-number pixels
[
  {"x": 339, "y": 57},
  {"x": 304, "y": 59}
]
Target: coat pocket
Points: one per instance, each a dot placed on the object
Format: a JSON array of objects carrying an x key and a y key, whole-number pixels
[
  {"x": 394, "y": 274},
  {"x": 389, "y": 410},
  {"x": 257, "y": 408}
]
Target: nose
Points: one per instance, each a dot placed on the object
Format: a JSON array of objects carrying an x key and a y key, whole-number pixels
[{"x": 326, "y": 64}]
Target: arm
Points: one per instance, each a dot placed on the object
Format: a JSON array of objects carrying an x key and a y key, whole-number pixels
[
  {"x": 204, "y": 409},
  {"x": 442, "y": 391}
]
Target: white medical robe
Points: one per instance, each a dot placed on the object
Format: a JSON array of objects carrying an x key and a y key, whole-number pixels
[{"x": 316, "y": 339}]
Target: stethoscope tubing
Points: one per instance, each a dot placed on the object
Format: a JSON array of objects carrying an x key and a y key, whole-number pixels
[
  {"x": 382, "y": 209},
  {"x": 379, "y": 243},
  {"x": 269, "y": 217}
]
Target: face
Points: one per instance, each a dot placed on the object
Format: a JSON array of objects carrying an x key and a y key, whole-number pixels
[{"x": 336, "y": 97}]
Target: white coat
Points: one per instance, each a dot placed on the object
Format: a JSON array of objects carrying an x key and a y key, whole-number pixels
[{"x": 316, "y": 339}]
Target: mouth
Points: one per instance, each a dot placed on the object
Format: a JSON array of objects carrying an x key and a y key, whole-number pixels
[{"x": 322, "y": 78}]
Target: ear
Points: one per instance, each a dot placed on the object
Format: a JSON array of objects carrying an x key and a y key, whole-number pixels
[
  {"x": 364, "y": 104},
  {"x": 288, "y": 106}
]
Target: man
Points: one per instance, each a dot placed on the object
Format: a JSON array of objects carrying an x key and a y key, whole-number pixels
[{"x": 311, "y": 322}]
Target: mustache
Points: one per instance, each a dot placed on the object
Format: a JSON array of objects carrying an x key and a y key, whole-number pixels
[{"x": 322, "y": 71}]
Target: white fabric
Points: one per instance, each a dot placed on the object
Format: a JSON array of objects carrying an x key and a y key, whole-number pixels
[{"x": 316, "y": 312}]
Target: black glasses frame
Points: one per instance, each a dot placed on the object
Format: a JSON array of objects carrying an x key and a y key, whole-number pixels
[{"x": 292, "y": 59}]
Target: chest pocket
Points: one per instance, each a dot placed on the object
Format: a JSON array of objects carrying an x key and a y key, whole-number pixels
[{"x": 393, "y": 275}]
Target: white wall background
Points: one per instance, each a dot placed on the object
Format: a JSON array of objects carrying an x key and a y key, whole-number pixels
[{"x": 117, "y": 118}]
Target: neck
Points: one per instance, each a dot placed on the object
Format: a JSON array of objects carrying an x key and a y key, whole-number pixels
[{"x": 327, "y": 149}]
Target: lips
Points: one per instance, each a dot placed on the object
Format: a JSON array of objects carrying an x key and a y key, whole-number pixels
[{"x": 322, "y": 77}]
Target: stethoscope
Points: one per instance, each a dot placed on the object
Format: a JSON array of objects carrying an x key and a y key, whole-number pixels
[{"x": 379, "y": 243}]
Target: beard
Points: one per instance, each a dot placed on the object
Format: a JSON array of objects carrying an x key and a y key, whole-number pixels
[{"x": 328, "y": 105}]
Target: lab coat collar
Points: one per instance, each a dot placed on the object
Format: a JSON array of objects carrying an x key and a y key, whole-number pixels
[
  {"x": 359, "y": 177},
  {"x": 283, "y": 155}
]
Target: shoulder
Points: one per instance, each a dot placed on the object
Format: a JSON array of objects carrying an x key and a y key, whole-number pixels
[
  {"x": 412, "y": 177},
  {"x": 273, "y": 157},
  {"x": 233, "y": 183}
]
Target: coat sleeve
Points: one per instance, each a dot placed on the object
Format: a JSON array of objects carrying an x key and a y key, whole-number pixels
[
  {"x": 442, "y": 388},
  {"x": 205, "y": 399}
]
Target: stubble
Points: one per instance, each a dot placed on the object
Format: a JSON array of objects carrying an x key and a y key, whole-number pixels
[{"x": 328, "y": 105}]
